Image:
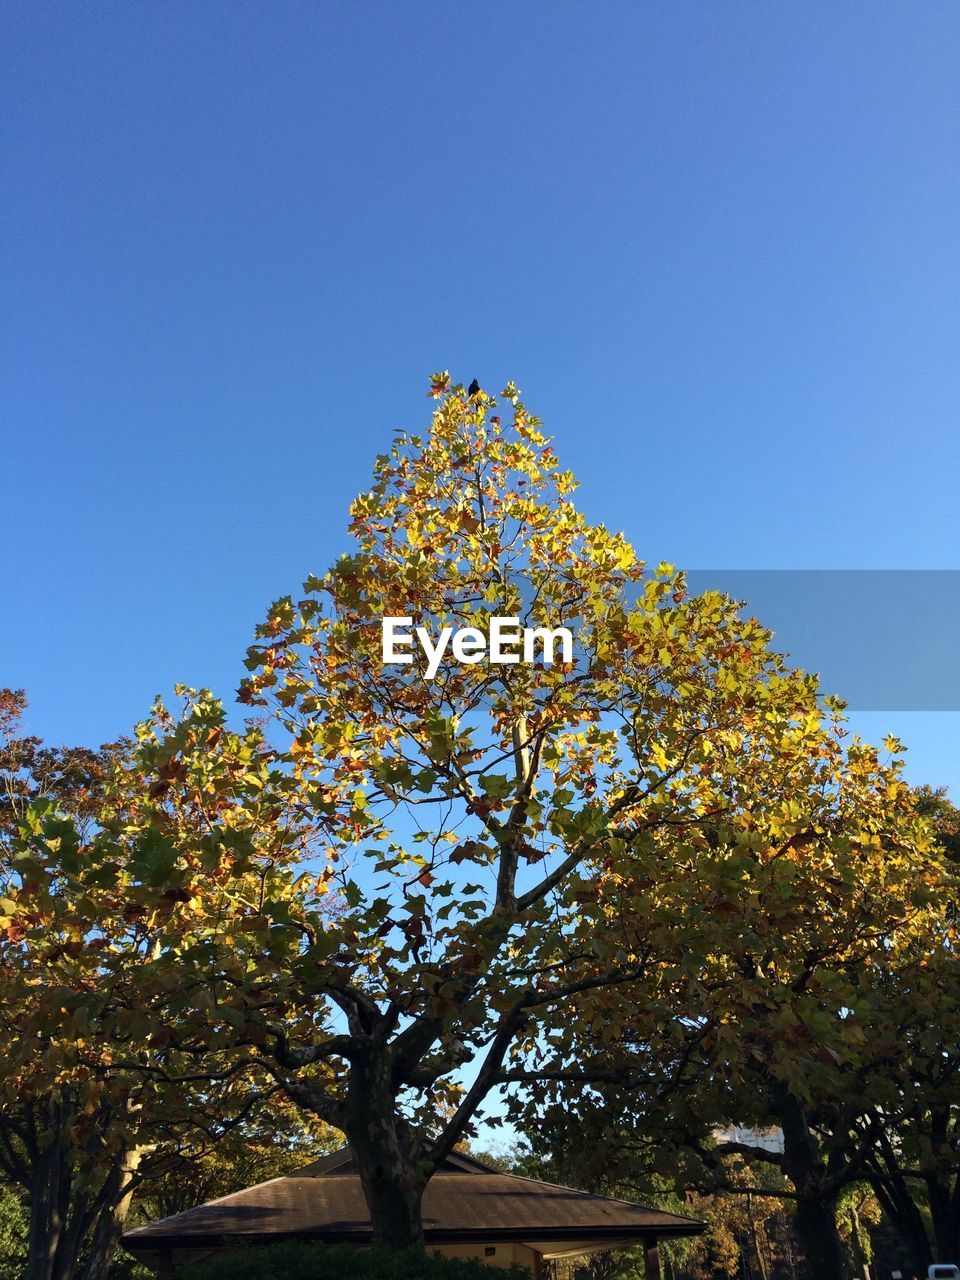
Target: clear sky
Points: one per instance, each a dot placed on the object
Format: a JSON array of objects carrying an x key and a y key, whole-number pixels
[{"x": 716, "y": 245}]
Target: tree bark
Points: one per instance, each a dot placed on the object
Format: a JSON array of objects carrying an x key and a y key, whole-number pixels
[
  {"x": 64, "y": 1216},
  {"x": 395, "y": 1210},
  {"x": 49, "y": 1191},
  {"x": 859, "y": 1254},
  {"x": 392, "y": 1177},
  {"x": 942, "y": 1186},
  {"x": 111, "y": 1219},
  {"x": 899, "y": 1204},
  {"x": 821, "y": 1251},
  {"x": 44, "y": 1232},
  {"x": 758, "y": 1251},
  {"x": 815, "y": 1217}
]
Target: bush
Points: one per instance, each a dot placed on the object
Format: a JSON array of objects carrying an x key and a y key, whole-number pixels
[
  {"x": 13, "y": 1233},
  {"x": 300, "y": 1260}
]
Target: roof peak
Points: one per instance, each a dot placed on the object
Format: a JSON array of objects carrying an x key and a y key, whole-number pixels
[{"x": 342, "y": 1161}]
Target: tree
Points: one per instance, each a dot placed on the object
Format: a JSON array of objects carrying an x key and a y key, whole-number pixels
[
  {"x": 914, "y": 1161},
  {"x": 520, "y": 851},
  {"x": 886, "y": 1111},
  {"x": 52, "y": 1119},
  {"x": 269, "y": 1143},
  {"x": 88, "y": 1103},
  {"x": 935, "y": 804},
  {"x": 812, "y": 969}
]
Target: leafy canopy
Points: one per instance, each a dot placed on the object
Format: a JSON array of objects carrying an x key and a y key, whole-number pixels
[{"x": 503, "y": 863}]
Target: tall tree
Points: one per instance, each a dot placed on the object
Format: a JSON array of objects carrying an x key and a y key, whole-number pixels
[
  {"x": 519, "y": 849},
  {"x": 87, "y": 1107},
  {"x": 811, "y": 971},
  {"x": 914, "y": 1162},
  {"x": 58, "y": 1136}
]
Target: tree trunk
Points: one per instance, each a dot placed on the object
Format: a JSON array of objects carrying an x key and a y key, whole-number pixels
[
  {"x": 46, "y": 1225},
  {"x": 391, "y": 1176},
  {"x": 49, "y": 1192},
  {"x": 66, "y": 1216},
  {"x": 395, "y": 1207},
  {"x": 111, "y": 1219},
  {"x": 821, "y": 1251},
  {"x": 898, "y": 1203},
  {"x": 815, "y": 1217},
  {"x": 861, "y": 1267},
  {"x": 942, "y": 1199},
  {"x": 757, "y": 1249}
]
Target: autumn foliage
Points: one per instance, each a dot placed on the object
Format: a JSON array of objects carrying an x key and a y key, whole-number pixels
[{"x": 664, "y": 855}]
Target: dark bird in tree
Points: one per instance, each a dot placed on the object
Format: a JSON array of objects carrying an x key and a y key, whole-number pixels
[{"x": 474, "y": 388}]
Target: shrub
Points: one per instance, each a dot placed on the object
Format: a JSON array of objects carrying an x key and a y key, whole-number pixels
[
  {"x": 301, "y": 1260},
  {"x": 13, "y": 1233}
]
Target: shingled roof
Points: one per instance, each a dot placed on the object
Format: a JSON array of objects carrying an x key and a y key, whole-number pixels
[{"x": 465, "y": 1201}]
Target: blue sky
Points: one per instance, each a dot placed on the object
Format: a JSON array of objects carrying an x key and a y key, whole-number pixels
[{"x": 716, "y": 245}]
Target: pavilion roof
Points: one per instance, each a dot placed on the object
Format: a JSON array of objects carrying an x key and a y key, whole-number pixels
[{"x": 465, "y": 1200}]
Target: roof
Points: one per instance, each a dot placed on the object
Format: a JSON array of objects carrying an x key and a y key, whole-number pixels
[{"x": 464, "y": 1201}]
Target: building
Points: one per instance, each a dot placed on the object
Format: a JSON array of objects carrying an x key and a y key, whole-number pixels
[{"x": 469, "y": 1211}]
